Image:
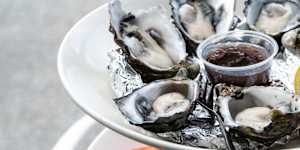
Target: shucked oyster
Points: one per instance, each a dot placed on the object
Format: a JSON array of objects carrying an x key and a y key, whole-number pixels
[
  {"x": 199, "y": 19},
  {"x": 154, "y": 46},
  {"x": 161, "y": 105},
  {"x": 272, "y": 17},
  {"x": 262, "y": 114}
]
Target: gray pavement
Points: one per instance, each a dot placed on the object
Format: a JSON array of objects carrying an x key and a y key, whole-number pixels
[{"x": 35, "y": 110}]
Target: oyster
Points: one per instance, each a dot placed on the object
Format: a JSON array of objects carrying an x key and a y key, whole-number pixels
[
  {"x": 199, "y": 19},
  {"x": 262, "y": 114},
  {"x": 291, "y": 40},
  {"x": 154, "y": 46},
  {"x": 161, "y": 105},
  {"x": 272, "y": 17}
]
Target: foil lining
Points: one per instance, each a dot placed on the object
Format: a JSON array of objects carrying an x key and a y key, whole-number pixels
[
  {"x": 199, "y": 114},
  {"x": 210, "y": 137},
  {"x": 124, "y": 78},
  {"x": 284, "y": 68},
  {"x": 200, "y": 133}
]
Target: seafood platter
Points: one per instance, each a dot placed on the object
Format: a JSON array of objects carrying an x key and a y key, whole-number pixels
[{"x": 202, "y": 76}]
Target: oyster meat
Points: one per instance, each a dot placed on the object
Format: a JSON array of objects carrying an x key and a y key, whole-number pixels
[
  {"x": 272, "y": 17},
  {"x": 155, "y": 48},
  {"x": 262, "y": 114},
  {"x": 256, "y": 120},
  {"x": 199, "y": 19},
  {"x": 161, "y": 105}
]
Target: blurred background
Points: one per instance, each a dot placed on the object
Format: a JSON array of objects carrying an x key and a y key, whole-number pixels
[{"x": 35, "y": 110}]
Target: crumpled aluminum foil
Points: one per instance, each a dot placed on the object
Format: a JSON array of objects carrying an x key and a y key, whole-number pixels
[
  {"x": 196, "y": 136},
  {"x": 284, "y": 68},
  {"x": 125, "y": 80}
]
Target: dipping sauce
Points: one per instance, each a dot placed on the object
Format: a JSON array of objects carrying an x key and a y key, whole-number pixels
[{"x": 237, "y": 55}]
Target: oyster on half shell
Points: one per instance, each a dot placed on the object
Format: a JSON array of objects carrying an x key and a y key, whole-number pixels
[
  {"x": 263, "y": 114},
  {"x": 161, "y": 105},
  {"x": 155, "y": 48},
  {"x": 199, "y": 19},
  {"x": 272, "y": 17}
]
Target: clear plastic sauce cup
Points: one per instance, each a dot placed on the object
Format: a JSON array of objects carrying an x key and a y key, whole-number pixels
[{"x": 247, "y": 75}]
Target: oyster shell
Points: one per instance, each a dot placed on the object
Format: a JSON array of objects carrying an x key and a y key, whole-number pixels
[
  {"x": 272, "y": 17},
  {"x": 161, "y": 105},
  {"x": 291, "y": 40},
  {"x": 262, "y": 114},
  {"x": 154, "y": 46},
  {"x": 199, "y": 19}
]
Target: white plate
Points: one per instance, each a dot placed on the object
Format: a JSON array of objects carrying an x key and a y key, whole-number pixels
[
  {"x": 111, "y": 140},
  {"x": 82, "y": 62}
]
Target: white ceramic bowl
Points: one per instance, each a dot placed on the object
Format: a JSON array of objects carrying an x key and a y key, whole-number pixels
[{"x": 82, "y": 62}]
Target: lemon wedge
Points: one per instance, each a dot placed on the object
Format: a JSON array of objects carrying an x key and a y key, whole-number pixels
[{"x": 297, "y": 81}]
